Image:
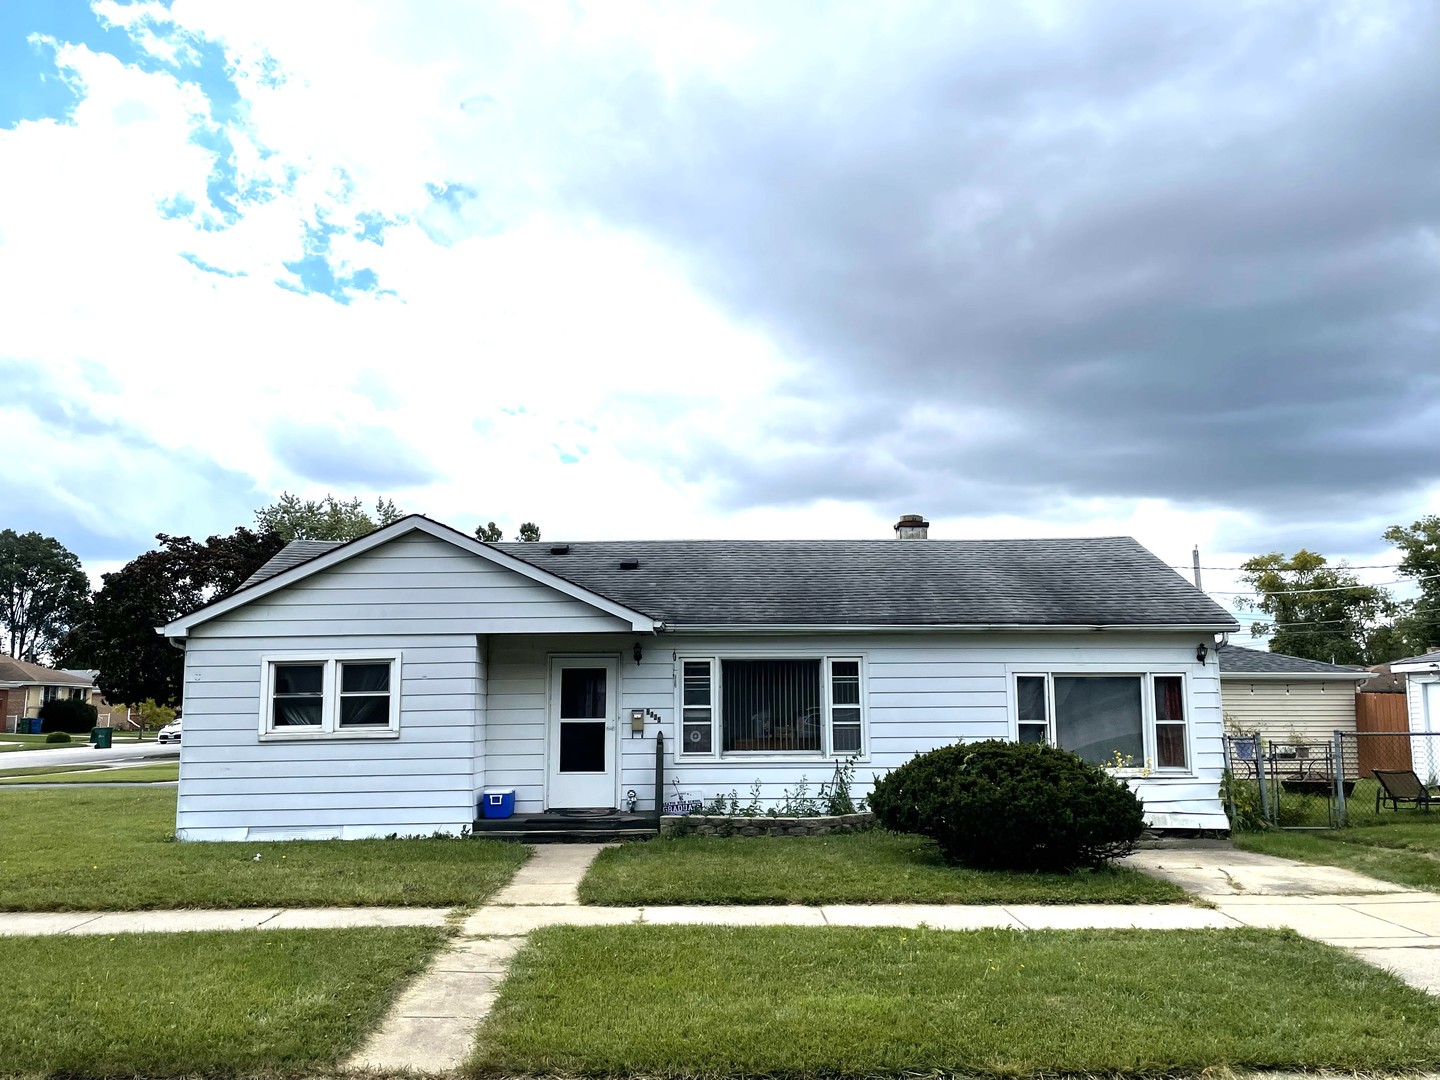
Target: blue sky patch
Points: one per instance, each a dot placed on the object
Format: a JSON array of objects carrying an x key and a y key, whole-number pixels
[{"x": 316, "y": 272}]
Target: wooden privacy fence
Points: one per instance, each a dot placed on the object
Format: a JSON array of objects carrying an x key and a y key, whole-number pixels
[{"x": 1381, "y": 713}]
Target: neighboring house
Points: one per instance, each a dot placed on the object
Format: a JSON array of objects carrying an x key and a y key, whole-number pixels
[
  {"x": 1288, "y": 699},
  {"x": 1384, "y": 681},
  {"x": 25, "y": 687},
  {"x": 1422, "y": 700},
  {"x": 379, "y": 686}
]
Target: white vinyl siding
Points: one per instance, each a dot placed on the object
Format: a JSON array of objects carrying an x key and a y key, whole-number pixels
[
  {"x": 416, "y": 597},
  {"x": 921, "y": 691},
  {"x": 1301, "y": 711}
]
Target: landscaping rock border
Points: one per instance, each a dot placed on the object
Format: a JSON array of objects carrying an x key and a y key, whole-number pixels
[{"x": 712, "y": 825}]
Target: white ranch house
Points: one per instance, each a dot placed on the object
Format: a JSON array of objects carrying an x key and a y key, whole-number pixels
[{"x": 380, "y": 686}]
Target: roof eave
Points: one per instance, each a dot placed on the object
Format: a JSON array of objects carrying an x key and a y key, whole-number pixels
[
  {"x": 856, "y": 628},
  {"x": 1405, "y": 669},
  {"x": 1298, "y": 676}
]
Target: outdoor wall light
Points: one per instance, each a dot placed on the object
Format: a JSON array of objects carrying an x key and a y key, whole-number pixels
[
  {"x": 638, "y": 652},
  {"x": 1201, "y": 651}
]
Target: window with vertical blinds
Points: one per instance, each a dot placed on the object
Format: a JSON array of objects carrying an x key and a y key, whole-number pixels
[{"x": 810, "y": 706}]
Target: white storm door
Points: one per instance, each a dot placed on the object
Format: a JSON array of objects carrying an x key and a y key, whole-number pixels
[{"x": 580, "y": 765}]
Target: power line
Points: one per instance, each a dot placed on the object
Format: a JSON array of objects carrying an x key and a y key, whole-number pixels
[
  {"x": 1328, "y": 566},
  {"x": 1327, "y": 589}
]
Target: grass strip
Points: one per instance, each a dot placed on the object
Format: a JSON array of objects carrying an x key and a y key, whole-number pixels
[
  {"x": 700, "y": 1002},
  {"x": 861, "y": 868},
  {"x": 9, "y": 743},
  {"x": 89, "y": 774},
  {"x": 94, "y": 849},
  {"x": 1405, "y": 851},
  {"x": 282, "y": 1002}
]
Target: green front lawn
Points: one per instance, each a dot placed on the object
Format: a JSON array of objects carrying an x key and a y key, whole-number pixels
[
  {"x": 89, "y": 774},
  {"x": 861, "y": 868},
  {"x": 284, "y": 1002},
  {"x": 35, "y": 742},
  {"x": 787, "y": 1002},
  {"x": 110, "y": 850},
  {"x": 1404, "y": 848}
]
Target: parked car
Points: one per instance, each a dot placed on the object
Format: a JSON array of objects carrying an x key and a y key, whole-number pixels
[{"x": 169, "y": 733}]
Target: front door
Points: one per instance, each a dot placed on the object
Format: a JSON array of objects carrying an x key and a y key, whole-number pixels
[{"x": 580, "y": 770}]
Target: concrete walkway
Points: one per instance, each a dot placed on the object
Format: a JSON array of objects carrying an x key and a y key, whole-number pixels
[{"x": 430, "y": 1028}]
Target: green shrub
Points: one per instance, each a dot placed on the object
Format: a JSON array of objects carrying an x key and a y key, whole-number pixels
[
  {"x": 57, "y": 737},
  {"x": 68, "y": 714},
  {"x": 1013, "y": 806}
]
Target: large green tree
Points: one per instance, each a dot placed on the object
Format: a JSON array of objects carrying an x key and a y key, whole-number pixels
[
  {"x": 1316, "y": 610},
  {"x": 294, "y": 518},
  {"x": 42, "y": 592},
  {"x": 118, "y": 636},
  {"x": 1418, "y": 626}
]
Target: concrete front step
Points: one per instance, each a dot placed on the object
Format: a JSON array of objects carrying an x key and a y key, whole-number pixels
[{"x": 561, "y": 828}]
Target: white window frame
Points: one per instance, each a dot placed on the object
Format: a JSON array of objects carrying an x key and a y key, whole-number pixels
[
  {"x": 718, "y": 752},
  {"x": 1149, "y": 766},
  {"x": 329, "y": 727}
]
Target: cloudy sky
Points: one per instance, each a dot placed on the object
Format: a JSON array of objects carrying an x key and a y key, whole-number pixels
[{"x": 745, "y": 269}]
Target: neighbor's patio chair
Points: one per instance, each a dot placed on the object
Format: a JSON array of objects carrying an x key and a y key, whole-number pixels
[{"x": 1402, "y": 786}]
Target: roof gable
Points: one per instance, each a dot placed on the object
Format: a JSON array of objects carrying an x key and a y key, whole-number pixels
[{"x": 300, "y": 560}]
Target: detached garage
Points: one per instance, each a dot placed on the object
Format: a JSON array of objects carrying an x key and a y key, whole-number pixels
[{"x": 1288, "y": 699}]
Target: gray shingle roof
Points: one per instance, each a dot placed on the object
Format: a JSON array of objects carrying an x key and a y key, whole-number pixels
[
  {"x": 1235, "y": 660},
  {"x": 292, "y": 554},
  {"x": 1427, "y": 658},
  {"x": 1105, "y": 581},
  {"x": 22, "y": 671}
]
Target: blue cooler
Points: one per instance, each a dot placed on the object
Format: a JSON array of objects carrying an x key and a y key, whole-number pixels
[{"x": 497, "y": 802}]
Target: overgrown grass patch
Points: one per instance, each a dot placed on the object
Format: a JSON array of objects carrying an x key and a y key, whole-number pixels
[
  {"x": 99, "y": 849},
  {"x": 89, "y": 774},
  {"x": 835, "y": 1002},
  {"x": 859, "y": 868},
  {"x": 1404, "y": 849},
  {"x": 227, "y": 1003}
]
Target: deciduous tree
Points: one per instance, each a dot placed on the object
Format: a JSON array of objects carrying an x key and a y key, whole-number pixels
[
  {"x": 1317, "y": 611},
  {"x": 491, "y": 533},
  {"x": 294, "y": 518},
  {"x": 42, "y": 592},
  {"x": 118, "y": 634}
]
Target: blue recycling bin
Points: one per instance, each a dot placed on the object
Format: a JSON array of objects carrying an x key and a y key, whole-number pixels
[
  {"x": 497, "y": 802},
  {"x": 35, "y": 725}
]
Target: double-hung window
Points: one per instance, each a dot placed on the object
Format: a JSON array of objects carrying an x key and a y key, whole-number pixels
[
  {"x": 1134, "y": 721},
  {"x": 341, "y": 696},
  {"x": 810, "y": 706}
]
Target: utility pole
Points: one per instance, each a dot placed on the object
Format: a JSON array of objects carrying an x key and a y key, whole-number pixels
[{"x": 1196, "y": 560}]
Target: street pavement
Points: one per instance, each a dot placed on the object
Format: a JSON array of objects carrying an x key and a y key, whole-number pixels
[{"x": 82, "y": 753}]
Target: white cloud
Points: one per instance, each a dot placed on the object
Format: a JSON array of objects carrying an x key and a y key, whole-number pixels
[{"x": 513, "y": 330}]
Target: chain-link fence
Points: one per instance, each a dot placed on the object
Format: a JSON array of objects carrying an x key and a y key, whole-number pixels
[{"x": 1353, "y": 778}]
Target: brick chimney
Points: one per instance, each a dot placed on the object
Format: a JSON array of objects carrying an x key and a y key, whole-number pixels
[{"x": 911, "y": 527}]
